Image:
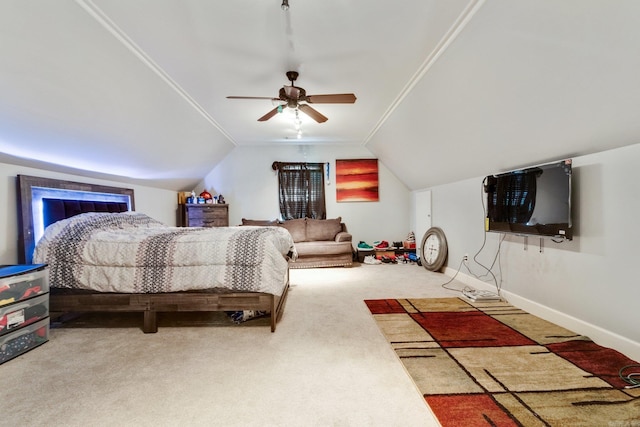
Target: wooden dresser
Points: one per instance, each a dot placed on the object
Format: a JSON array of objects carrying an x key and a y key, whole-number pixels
[{"x": 204, "y": 215}]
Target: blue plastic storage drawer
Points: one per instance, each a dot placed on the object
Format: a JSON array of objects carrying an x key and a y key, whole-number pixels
[
  {"x": 23, "y": 313},
  {"x": 20, "y": 282},
  {"x": 24, "y": 339}
]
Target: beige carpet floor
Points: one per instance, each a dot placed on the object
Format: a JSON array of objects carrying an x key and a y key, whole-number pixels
[{"x": 327, "y": 364}]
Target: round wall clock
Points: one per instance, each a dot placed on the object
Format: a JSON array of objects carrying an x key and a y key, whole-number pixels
[{"x": 433, "y": 249}]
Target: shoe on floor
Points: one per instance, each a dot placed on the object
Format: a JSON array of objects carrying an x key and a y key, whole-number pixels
[
  {"x": 370, "y": 259},
  {"x": 389, "y": 259}
]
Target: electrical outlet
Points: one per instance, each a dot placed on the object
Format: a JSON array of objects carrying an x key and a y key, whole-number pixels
[{"x": 465, "y": 258}]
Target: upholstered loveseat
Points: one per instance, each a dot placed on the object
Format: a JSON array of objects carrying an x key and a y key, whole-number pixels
[{"x": 319, "y": 242}]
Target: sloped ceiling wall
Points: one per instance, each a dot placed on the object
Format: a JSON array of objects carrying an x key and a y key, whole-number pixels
[
  {"x": 136, "y": 91},
  {"x": 521, "y": 84}
]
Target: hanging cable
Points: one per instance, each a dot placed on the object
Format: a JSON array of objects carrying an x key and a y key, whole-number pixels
[
  {"x": 444, "y": 285},
  {"x": 484, "y": 242}
]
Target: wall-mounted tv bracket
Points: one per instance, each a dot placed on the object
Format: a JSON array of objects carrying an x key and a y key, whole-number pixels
[{"x": 526, "y": 243}]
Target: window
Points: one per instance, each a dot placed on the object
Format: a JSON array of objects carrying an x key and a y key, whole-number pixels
[{"x": 301, "y": 190}]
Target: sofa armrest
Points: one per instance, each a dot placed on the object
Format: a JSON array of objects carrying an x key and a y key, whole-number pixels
[{"x": 343, "y": 236}]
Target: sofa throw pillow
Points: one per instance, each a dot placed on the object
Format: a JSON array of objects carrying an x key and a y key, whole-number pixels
[
  {"x": 323, "y": 229},
  {"x": 260, "y": 222},
  {"x": 297, "y": 228}
]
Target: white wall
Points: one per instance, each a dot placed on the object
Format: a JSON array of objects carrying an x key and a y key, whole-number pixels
[
  {"x": 420, "y": 216},
  {"x": 157, "y": 203},
  {"x": 589, "y": 284},
  {"x": 250, "y": 186}
]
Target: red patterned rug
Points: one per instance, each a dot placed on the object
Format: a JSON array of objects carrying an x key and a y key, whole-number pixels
[{"x": 491, "y": 364}]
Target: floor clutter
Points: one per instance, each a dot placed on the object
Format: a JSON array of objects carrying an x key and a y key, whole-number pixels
[{"x": 383, "y": 252}]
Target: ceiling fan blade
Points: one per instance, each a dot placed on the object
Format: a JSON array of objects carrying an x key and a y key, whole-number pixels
[
  {"x": 336, "y": 98},
  {"x": 268, "y": 115},
  {"x": 250, "y": 97},
  {"x": 314, "y": 114}
]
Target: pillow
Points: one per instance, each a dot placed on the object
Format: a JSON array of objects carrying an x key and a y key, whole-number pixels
[
  {"x": 323, "y": 229},
  {"x": 297, "y": 228},
  {"x": 260, "y": 222}
]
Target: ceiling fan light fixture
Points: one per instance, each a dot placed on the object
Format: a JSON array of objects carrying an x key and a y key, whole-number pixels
[
  {"x": 295, "y": 98},
  {"x": 297, "y": 124},
  {"x": 285, "y": 5}
]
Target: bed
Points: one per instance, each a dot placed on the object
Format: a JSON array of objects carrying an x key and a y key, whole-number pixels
[{"x": 105, "y": 257}]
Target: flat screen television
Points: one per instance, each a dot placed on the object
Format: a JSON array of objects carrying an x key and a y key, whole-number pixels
[{"x": 531, "y": 201}]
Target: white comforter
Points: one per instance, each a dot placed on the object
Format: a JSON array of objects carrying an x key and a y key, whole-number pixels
[{"x": 133, "y": 253}]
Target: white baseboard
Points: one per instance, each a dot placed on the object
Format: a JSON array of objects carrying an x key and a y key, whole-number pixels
[{"x": 597, "y": 334}]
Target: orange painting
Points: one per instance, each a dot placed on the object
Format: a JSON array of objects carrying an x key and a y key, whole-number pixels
[{"x": 357, "y": 180}]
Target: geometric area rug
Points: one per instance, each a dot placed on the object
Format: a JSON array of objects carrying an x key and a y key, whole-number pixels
[{"x": 492, "y": 364}]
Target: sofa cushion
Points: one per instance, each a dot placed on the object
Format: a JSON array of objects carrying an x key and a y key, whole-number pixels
[
  {"x": 297, "y": 228},
  {"x": 323, "y": 229},
  {"x": 260, "y": 222},
  {"x": 322, "y": 248}
]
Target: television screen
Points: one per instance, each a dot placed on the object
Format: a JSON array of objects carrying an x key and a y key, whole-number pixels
[{"x": 531, "y": 201}]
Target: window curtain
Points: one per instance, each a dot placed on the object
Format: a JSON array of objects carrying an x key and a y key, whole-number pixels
[{"x": 301, "y": 190}]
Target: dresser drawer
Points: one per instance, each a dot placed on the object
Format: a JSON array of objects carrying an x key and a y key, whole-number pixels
[
  {"x": 206, "y": 215},
  {"x": 23, "y": 313},
  {"x": 22, "y": 340},
  {"x": 207, "y": 212},
  {"x": 207, "y": 222},
  {"x": 17, "y": 285}
]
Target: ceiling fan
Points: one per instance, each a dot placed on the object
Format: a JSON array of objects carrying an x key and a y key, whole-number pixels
[{"x": 293, "y": 96}]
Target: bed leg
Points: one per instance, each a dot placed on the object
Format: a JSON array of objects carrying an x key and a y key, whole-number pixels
[
  {"x": 150, "y": 322},
  {"x": 277, "y": 305},
  {"x": 274, "y": 313}
]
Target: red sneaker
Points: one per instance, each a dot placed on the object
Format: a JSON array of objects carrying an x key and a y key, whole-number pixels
[{"x": 382, "y": 245}]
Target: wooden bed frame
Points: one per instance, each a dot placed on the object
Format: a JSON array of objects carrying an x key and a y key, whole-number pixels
[{"x": 77, "y": 301}]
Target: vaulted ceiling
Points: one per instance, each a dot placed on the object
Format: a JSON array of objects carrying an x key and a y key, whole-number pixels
[{"x": 446, "y": 90}]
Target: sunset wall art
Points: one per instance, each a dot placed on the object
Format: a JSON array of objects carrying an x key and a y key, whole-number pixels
[{"x": 357, "y": 180}]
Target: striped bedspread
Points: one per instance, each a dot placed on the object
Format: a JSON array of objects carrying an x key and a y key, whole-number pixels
[{"x": 133, "y": 253}]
